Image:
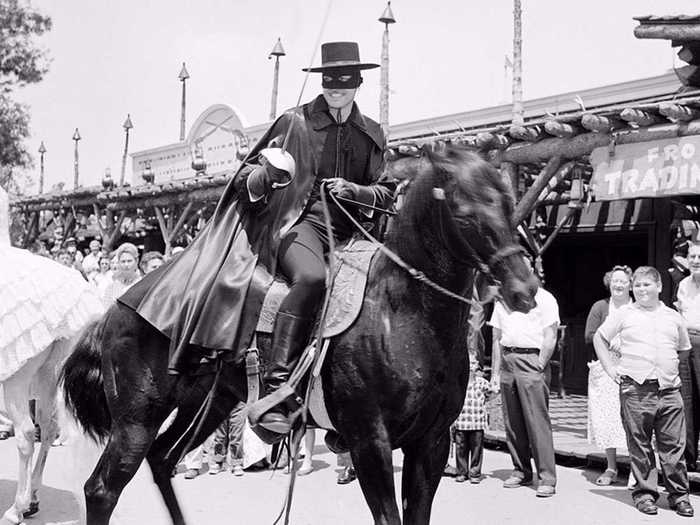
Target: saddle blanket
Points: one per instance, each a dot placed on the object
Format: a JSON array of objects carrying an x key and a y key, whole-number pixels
[{"x": 346, "y": 296}]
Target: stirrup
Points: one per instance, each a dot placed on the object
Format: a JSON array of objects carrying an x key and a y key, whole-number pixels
[{"x": 281, "y": 395}]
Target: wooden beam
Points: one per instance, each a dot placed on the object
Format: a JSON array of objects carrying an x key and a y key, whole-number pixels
[
  {"x": 181, "y": 221},
  {"x": 526, "y": 133},
  {"x": 681, "y": 32},
  {"x": 641, "y": 118},
  {"x": 677, "y": 112},
  {"x": 600, "y": 123},
  {"x": 487, "y": 140},
  {"x": 115, "y": 232},
  {"x": 527, "y": 203},
  {"x": 98, "y": 215},
  {"x": 582, "y": 145},
  {"x": 561, "y": 129},
  {"x": 164, "y": 232},
  {"x": 560, "y": 175},
  {"x": 569, "y": 214}
]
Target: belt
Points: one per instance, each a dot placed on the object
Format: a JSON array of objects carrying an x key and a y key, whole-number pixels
[
  {"x": 520, "y": 350},
  {"x": 645, "y": 382}
]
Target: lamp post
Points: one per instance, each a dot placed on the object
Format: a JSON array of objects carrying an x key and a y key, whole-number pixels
[
  {"x": 127, "y": 126},
  {"x": 386, "y": 19},
  {"x": 183, "y": 76},
  {"x": 277, "y": 52},
  {"x": 42, "y": 150},
  {"x": 76, "y": 172}
]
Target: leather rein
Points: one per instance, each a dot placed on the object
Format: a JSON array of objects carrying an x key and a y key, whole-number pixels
[{"x": 475, "y": 259}]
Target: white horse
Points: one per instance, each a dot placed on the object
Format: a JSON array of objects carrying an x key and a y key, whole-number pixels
[{"x": 42, "y": 306}]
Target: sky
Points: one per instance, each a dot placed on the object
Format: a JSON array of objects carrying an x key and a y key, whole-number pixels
[{"x": 110, "y": 59}]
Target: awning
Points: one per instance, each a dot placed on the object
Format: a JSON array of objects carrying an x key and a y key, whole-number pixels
[{"x": 607, "y": 216}]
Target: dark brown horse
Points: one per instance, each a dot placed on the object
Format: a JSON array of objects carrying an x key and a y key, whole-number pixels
[{"x": 395, "y": 379}]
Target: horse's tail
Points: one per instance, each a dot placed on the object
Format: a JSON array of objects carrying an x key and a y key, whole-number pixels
[{"x": 83, "y": 384}]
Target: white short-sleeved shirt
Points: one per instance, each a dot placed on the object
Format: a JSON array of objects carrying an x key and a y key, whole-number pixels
[
  {"x": 526, "y": 330},
  {"x": 689, "y": 302},
  {"x": 649, "y": 342}
]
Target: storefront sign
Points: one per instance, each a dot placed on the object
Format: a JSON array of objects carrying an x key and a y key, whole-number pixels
[{"x": 649, "y": 169}]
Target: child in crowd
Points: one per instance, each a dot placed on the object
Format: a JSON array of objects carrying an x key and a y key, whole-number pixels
[
  {"x": 470, "y": 425},
  {"x": 651, "y": 335}
]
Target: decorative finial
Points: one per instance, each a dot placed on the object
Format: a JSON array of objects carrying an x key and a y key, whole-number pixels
[
  {"x": 387, "y": 16},
  {"x": 278, "y": 50},
  {"x": 76, "y": 135},
  {"x": 184, "y": 75},
  {"x": 127, "y": 123}
]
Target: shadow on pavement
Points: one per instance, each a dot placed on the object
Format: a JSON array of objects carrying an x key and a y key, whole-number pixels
[{"x": 55, "y": 505}]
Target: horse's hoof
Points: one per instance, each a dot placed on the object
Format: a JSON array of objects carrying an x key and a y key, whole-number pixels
[{"x": 33, "y": 509}]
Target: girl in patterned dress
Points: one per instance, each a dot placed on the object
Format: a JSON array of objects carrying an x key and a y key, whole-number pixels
[{"x": 470, "y": 425}]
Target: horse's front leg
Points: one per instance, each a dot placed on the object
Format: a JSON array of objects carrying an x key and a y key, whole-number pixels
[
  {"x": 423, "y": 463},
  {"x": 16, "y": 393},
  {"x": 372, "y": 459}
]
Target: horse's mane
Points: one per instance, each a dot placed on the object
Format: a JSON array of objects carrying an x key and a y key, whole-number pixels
[{"x": 433, "y": 168}]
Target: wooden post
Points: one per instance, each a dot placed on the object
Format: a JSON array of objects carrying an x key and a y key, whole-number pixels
[
  {"x": 661, "y": 239},
  {"x": 386, "y": 19},
  {"x": 164, "y": 232},
  {"x": 518, "y": 110},
  {"x": 527, "y": 203}
]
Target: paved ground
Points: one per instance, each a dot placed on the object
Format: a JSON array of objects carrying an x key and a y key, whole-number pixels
[{"x": 256, "y": 497}]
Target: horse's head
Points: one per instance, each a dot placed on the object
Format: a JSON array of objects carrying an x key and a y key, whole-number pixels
[{"x": 474, "y": 210}]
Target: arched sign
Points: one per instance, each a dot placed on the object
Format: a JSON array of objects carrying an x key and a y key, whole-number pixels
[{"x": 214, "y": 141}]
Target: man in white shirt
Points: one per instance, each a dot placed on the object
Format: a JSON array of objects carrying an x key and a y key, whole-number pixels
[
  {"x": 651, "y": 337},
  {"x": 689, "y": 367},
  {"x": 522, "y": 347}
]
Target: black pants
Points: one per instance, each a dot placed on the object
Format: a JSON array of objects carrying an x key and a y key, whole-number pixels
[
  {"x": 302, "y": 261},
  {"x": 689, "y": 370},
  {"x": 525, "y": 396},
  {"x": 646, "y": 409},
  {"x": 469, "y": 443}
]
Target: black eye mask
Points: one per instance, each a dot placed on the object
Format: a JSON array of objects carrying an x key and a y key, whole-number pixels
[{"x": 341, "y": 79}]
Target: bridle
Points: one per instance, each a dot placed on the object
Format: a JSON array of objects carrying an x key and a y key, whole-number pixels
[
  {"x": 455, "y": 238},
  {"x": 474, "y": 259}
]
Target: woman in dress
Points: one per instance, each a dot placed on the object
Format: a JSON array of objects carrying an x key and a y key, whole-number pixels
[
  {"x": 604, "y": 424},
  {"x": 127, "y": 273}
]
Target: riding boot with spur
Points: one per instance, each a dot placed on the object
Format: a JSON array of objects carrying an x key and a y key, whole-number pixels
[{"x": 289, "y": 338}]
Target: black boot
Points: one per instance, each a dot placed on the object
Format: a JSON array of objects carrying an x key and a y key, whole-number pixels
[{"x": 289, "y": 338}]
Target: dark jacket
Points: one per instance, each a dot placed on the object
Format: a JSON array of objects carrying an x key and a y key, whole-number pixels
[
  {"x": 596, "y": 317},
  {"x": 204, "y": 296}
]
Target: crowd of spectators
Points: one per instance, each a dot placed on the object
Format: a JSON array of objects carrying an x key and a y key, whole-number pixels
[{"x": 112, "y": 272}]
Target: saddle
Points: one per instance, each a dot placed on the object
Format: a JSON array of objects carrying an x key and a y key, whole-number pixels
[{"x": 347, "y": 293}]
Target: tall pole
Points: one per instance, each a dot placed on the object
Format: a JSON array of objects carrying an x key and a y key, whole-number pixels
[
  {"x": 127, "y": 126},
  {"x": 277, "y": 52},
  {"x": 76, "y": 173},
  {"x": 386, "y": 19},
  {"x": 42, "y": 150},
  {"x": 183, "y": 76},
  {"x": 518, "y": 110}
]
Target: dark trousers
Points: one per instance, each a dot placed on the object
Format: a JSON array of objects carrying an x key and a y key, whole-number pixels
[
  {"x": 301, "y": 260},
  {"x": 647, "y": 409},
  {"x": 689, "y": 370},
  {"x": 525, "y": 396},
  {"x": 469, "y": 451}
]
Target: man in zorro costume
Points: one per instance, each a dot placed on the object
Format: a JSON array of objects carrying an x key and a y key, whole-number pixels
[{"x": 270, "y": 215}]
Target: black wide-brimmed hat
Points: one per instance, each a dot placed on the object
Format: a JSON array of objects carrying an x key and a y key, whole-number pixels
[{"x": 335, "y": 55}]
